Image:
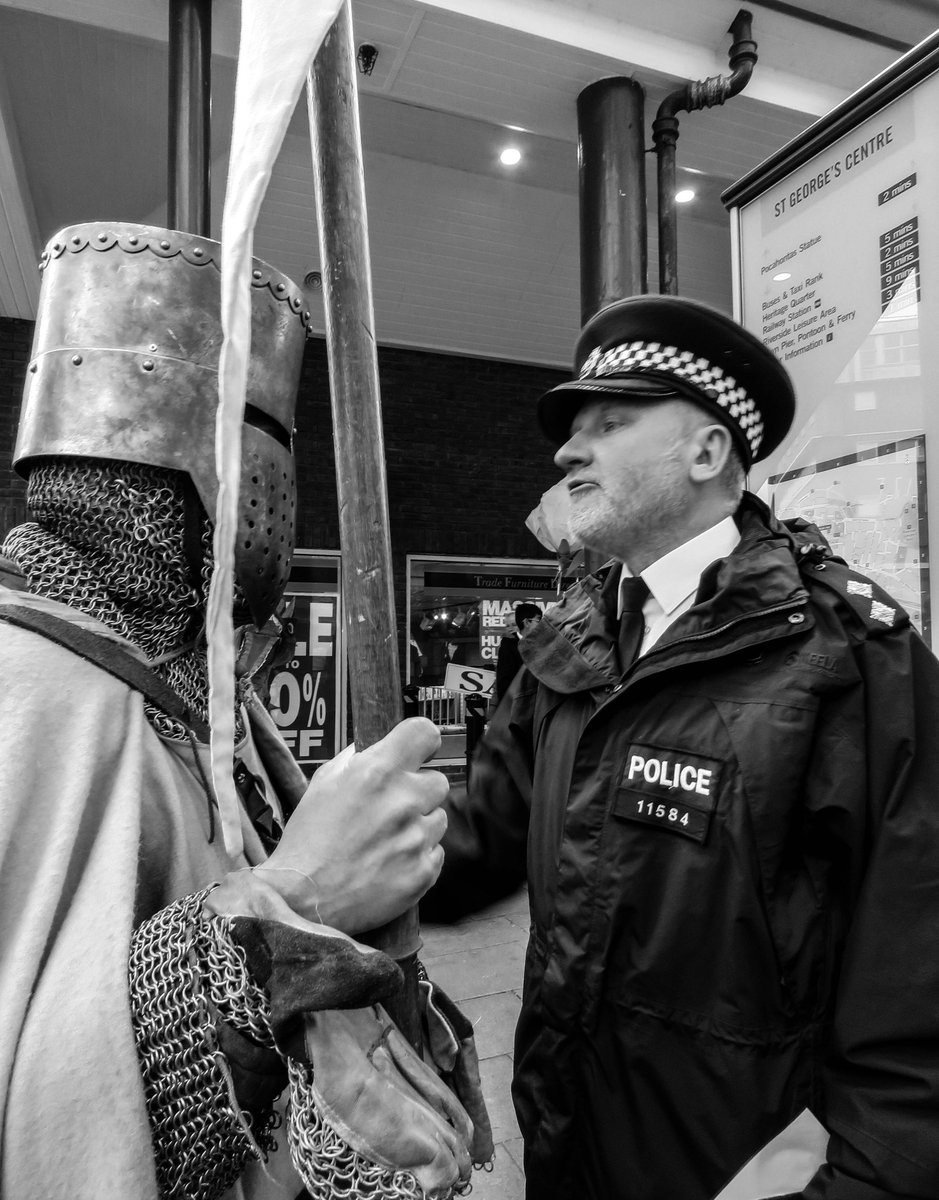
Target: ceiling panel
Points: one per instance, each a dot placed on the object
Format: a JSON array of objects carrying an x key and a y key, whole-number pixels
[{"x": 467, "y": 256}]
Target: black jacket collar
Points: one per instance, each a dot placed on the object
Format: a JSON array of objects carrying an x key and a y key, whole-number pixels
[{"x": 572, "y": 649}]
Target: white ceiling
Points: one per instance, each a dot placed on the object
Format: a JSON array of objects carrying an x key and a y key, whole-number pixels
[{"x": 467, "y": 256}]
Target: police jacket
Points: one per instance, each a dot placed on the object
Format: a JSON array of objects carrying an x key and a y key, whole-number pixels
[{"x": 732, "y": 853}]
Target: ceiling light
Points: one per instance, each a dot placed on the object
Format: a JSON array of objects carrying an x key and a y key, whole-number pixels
[
  {"x": 511, "y": 156},
  {"x": 684, "y": 195},
  {"x": 781, "y": 276}
]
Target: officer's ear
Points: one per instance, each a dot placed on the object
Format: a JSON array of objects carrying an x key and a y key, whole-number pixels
[{"x": 711, "y": 445}]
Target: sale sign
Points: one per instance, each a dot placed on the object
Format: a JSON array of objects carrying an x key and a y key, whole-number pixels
[
  {"x": 307, "y": 694},
  {"x": 473, "y": 680}
]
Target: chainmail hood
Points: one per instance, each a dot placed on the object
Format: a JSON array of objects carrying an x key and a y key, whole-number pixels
[{"x": 109, "y": 539}]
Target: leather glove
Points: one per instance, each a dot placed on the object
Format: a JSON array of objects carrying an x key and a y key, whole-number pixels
[
  {"x": 351, "y": 1069},
  {"x": 382, "y": 1099},
  {"x": 449, "y": 1041}
]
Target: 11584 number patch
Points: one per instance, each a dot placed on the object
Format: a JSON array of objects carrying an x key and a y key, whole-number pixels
[{"x": 668, "y": 788}]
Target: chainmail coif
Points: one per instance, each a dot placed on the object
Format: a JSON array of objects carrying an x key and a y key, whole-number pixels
[{"x": 109, "y": 539}]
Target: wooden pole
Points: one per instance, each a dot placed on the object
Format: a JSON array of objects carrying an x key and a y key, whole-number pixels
[
  {"x": 190, "y": 98},
  {"x": 364, "y": 529}
]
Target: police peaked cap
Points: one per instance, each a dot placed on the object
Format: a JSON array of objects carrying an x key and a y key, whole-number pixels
[{"x": 665, "y": 347}]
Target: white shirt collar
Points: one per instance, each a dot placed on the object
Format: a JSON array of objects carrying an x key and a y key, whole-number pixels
[{"x": 674, "y": 577}]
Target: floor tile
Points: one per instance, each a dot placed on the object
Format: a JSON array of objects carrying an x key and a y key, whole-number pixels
[
  {"x": 514, "y": 905},
  {"x": 478, "y": 972},
  {"x": 493, "y": 1019},
  {"x": 515, "y": 1148},
  {"x": 496, "y": 1077},
  {"x": 504, "y": 1182},
  {"x": 469, "y": 936}
]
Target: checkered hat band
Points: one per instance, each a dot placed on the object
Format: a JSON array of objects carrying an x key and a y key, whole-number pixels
[{"x": 711, "y": 380}]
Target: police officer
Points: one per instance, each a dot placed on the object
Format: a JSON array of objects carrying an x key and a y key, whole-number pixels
[{"x": 718, "y": 773}]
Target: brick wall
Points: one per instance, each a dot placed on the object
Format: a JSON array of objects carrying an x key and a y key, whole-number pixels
[
  {"x": 15, "y": 341},
  {"x": 465, "y": 462}
]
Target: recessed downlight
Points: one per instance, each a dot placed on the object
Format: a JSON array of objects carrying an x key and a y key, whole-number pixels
[{"x": 511, "y": 156}]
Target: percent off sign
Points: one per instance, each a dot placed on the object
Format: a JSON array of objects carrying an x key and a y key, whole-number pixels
[{"x": 303, "y": 692}]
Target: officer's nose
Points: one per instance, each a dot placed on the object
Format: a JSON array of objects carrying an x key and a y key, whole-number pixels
[{"x": 574, "y": 452}]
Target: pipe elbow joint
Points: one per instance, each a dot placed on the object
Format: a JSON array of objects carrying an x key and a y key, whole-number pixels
[{"x": 666, "y": 116}]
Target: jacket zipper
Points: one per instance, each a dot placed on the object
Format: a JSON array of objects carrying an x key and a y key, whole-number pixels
[
  {"x": 616, "y": 690},
  {"x": 710, "y": 633},
  {"x": 697, "y": 637}
]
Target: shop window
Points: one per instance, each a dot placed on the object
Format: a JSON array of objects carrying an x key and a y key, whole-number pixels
[{"x": 459, "y": 609}]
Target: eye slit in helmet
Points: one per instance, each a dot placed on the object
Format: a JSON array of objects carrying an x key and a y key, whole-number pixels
[{"x": 266, "y": 423}]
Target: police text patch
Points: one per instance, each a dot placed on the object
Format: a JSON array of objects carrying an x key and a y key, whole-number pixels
[{"x": 670, "y": 789}]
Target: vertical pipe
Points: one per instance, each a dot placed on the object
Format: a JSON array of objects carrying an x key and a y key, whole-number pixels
[
  {"x": 613, "y": 249},
  {"x": 690, "y": 97},
  {"x": 364, "y": 527},
  {"x": 190, "y": 92},
  {"x": 665, "y": 136}
]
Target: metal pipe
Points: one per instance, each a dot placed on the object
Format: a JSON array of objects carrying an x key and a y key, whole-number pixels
[
  {"x": 190, "y": 99},
  {"x": 364, "y": 525},
  {"x": 611, "y": 149},
  {"x": 706, "y": 93},
  {"x": 665, "y": 135}
]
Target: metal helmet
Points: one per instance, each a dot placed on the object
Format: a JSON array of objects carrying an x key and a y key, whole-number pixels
[{"x": 125, "y": 366}]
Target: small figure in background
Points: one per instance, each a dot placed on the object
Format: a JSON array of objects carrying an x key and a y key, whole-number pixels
[{"x": 510, "y": 659}]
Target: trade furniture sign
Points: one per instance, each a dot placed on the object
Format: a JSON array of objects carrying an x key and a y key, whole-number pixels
[
  {"x": 308, "y": 692},
  {"x": 459, "y": 610}
]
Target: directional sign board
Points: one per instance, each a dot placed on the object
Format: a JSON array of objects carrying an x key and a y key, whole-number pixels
[{"x": 837, "y": 271}]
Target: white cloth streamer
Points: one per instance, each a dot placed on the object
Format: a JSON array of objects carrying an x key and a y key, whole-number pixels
[{"x": 279, "y": 40}]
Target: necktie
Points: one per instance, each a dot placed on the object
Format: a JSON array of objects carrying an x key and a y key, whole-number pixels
[{"x": 634, "y": 592}]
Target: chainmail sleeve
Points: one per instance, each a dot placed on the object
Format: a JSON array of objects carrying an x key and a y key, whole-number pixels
[
  {"x": 191, "y": 993},
  {"x": 377, "y": 1121}
]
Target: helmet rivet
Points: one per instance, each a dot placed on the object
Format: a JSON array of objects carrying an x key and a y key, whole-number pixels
[
  {"x": 77, "y": 360},
  {"x": 255, "y": 274},
  {"x": 164, "y": 245},
  {"x": 198, "y": 252},
  {"x": 133, "y": 239},
  {"x": 147, "y": 364},
  {"x": 281, "y": 287},
  {"x": 102, "y": 237},
  {"x": 33, "y": 368},
  {"x": 153, "y": 347}
]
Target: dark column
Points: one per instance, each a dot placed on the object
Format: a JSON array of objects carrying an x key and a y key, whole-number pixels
[
  {"x": 190, "y": 93},
  {"x": 613, "y": 248}
]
